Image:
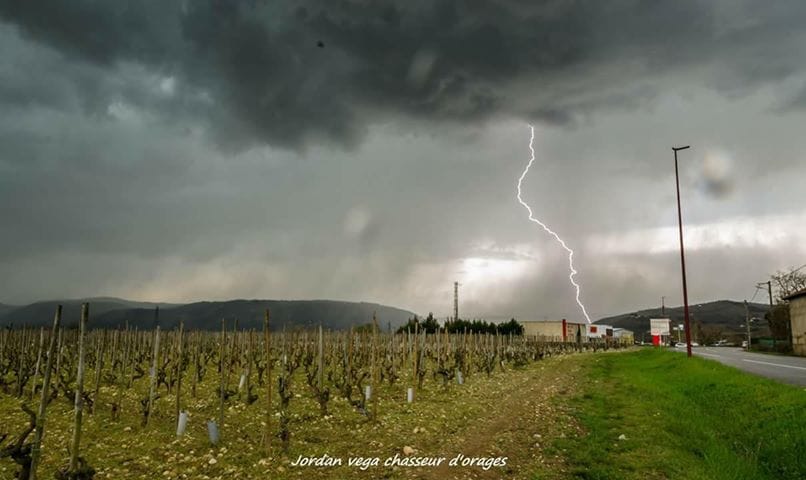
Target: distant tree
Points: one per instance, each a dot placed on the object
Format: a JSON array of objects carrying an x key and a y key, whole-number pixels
[
  {"x": 409, "y": 326},
  {"x": 698, "y": 333},
  {"x": 430, "y": 325},
  {"x": 458, "y": 326},
  {"x": 778, "y": 321},
  {"x": 708, "y": 334},
  {"x": 480, "y": 326},
  {"x": 512, "y": 327}
]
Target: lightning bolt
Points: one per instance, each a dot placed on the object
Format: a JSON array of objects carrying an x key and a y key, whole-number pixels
[{"x": 547, "y": 229}]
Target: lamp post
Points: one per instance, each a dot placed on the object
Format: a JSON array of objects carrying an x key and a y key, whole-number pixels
[{"x": 682, "y": 254}]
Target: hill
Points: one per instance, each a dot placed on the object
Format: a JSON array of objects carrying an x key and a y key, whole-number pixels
[
  {"x": 41, "y": 313},
  {"x": 4, "y": 309},
  {"x": 726, "y": 314},
  {"x": 291, "y": 314}
]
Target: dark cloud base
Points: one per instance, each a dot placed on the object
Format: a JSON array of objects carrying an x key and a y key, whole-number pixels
[{"x": 292, "y": 73}]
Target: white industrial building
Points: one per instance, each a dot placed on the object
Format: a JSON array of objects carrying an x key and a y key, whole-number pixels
[
  {"x": 623, "y": 335},
  {"x": 597, "y": 331}
]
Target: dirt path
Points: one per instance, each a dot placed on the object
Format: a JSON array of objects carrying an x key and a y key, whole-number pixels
[{"x": 522, "y": 425}]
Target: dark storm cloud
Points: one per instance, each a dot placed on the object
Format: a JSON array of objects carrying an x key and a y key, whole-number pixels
[
  {"x": 256, "y": 73},
  {"x": 110, "y": 110}
]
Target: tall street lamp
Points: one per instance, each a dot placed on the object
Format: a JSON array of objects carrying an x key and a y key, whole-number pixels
[{"x": 682, "y": 254}]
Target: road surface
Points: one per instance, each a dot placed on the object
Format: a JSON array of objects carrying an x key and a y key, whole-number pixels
[{"x": 785, "y": 369}]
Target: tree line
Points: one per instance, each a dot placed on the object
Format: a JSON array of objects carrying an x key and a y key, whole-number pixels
[{"x": 432, "y": 325}]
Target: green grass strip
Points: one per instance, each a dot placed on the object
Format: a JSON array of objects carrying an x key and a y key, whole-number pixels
[{"x": 684, "y": 418}]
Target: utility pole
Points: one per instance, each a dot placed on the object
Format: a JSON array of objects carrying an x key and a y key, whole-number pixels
[
  {"x": 663, "y": 306},
  {"x": 682, "y": 252},
  {"x": 769, "y": 290}
]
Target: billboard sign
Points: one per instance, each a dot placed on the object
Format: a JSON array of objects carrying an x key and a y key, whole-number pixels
[{"x": 659, "y": 326}]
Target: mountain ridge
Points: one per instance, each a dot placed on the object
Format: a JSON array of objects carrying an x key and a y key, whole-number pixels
[
  {"x": 110, "y": 312},
  {"x": 727, "y": 314}
]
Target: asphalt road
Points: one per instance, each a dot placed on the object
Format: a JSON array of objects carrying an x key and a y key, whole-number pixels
[{"x": 785, "y": 369}]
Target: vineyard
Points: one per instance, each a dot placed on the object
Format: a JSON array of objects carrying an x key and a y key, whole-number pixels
[{"x": 172, "y": 403}]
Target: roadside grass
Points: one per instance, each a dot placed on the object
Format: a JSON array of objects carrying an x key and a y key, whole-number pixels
[{"x": 688, "y": 418}]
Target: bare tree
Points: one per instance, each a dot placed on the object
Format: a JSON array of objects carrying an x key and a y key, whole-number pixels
[
  {"x": 788, "y": 282},
  {"x": 778, "y": 320}
]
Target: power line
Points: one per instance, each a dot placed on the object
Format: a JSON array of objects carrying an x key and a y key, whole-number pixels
[{"x": 755, "y": 293}]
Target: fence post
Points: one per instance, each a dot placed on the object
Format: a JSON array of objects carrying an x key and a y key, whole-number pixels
[
  {"x": 36, "y": 451},
  {"x": 269, "y": 379},
  {"x": 79, "y": 402}
]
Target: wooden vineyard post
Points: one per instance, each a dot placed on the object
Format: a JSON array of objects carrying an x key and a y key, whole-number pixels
[
  {"x": 249, "y": 357},
  {"x": 36, "y": 451},
  {"x": 498, "y": 350},
  {"x": 153, "y": 386},
  {"x": 437, "y": 334},
  {"x": 59, "y": 346},
  {"x": 374, "y": 368},
  {"x": 122, "y": 384},
  {"x": 350, "y": 356},
  {"x": 269, "y": 379},
  {"x": 392, "y": 355},
  {"x": 222, "y": 386},
  {"x": 232, "y": 353},
  {"x": 115, "y": 354},
  {"x": 474, "y": 344},
  {"x": 416, "y": 357},
  {"x": 320, "y": 362},
  {"x": 38, "y": 360},
  {"x": 282, "y": 347},
  {"x": 421, "y": 362},
  {"x": 466, "y": 358},
  {"x": 196, "y": 364},
  {"x": 18, "y": 387},
  {"x": 179, "y": 370},
  {"x": 116, "y": 359},
  {"x": 79, "y": 402},
  {"x": 99, "y": 366},
  {"x": 131, "y": 343}
]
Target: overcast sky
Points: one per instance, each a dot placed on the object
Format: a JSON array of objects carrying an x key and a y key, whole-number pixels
[{"x": 369, "y": 150}]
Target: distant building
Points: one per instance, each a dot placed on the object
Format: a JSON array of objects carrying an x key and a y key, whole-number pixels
[
  {"x": 555, "y": 330},
  {"x": 601, "y": 332},
  {"x": 623, "y": 335},
  {"x": 797, "y": 321}
]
